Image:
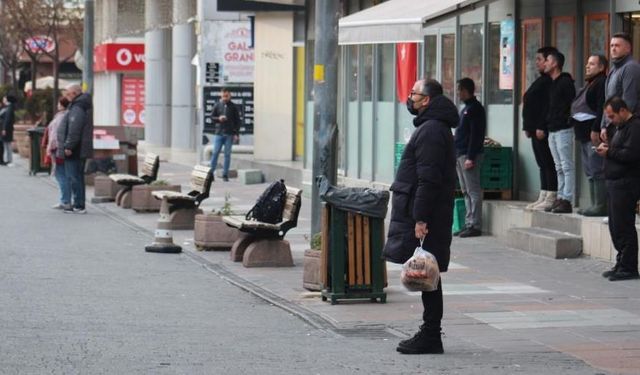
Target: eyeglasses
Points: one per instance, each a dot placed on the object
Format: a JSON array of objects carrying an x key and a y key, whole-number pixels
[{"x": 412, "y": 93}]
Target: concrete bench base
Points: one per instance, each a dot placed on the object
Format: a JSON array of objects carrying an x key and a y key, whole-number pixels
[
  {"x": 123, "y": 198},
  {"x": 240, "y": 246},
  {"x": 105, "y": 189},
  {"x": 268, "y": 253}
]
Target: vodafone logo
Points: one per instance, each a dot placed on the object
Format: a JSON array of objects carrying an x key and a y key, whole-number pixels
[{"x": 124, "y": 57}]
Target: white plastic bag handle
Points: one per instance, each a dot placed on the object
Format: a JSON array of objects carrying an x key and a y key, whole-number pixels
[{"x": 421, "y": 242}]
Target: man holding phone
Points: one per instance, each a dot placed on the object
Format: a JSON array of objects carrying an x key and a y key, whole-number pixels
[{"x": 226, "y": 118}]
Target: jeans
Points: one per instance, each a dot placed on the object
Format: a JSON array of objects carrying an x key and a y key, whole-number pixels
[
  {"x": 218, "y": 142},
  {"x": 544, "y": 159},
  {"x": 592, "y": 163},
  {"x": 622, "y": 196},
  {"x": 561, "y": 145},
  {"x": 74, "y": 168},
  {"x": 472, "y": 190},
  {"x": 63, "y": 182},
  {"x": 8, "y": 152}
]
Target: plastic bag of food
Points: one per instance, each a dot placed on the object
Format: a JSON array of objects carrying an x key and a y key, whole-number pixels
[{"x": 421, "y": 273}]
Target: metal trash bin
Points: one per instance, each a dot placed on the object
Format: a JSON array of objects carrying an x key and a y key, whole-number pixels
[
  {"x": 36, "y": 160},
  {"x": 352, "y": 263}
]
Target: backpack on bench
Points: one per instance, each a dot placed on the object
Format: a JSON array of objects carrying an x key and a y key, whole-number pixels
[{"x": 270, "y": 204}]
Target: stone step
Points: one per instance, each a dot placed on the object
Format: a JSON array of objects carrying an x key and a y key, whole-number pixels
[
  {"x": 547, "y": 242},
  {"x": 569, "y": 223}
]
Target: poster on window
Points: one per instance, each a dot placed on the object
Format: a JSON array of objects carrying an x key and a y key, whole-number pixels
[
  {"x": 507, "y": 36},
  {"x": 132, "y": 101},
  {"x": 232, "y": 52},
  {"x": 406, "y": 69}
]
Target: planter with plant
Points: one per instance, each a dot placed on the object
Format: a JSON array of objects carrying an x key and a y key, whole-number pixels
[
  {"x": 143, "y": 201},
  {"x": 311, "y": 277},
  {"x": 211, "y": 233}
]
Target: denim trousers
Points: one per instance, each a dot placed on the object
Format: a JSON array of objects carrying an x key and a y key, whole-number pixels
[
  {"x": 74, "y": 168},
  {"x": 592, "y": 163},
  {"x": 218, "y": 142},
  {"x": 8, "y": 152},
  {"x": 63, "y": 182},
  {"x": 561, "y": 145}
]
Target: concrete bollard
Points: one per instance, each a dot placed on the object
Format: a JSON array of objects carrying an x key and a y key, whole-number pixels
[{"x": 163, "y": 241}]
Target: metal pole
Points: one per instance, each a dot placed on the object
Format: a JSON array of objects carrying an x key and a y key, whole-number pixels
[
  {"x": 87, "y": 72},
  {"x": 325, "y": 78}
]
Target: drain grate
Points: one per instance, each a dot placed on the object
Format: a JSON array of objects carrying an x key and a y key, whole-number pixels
[{"x": 373, "y": 333}]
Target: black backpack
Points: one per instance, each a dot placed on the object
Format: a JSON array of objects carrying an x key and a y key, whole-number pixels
[{"x": 269, "y": 206}]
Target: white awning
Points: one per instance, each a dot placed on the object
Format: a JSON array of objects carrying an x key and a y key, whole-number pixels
[{"x": 398, "y": 20}]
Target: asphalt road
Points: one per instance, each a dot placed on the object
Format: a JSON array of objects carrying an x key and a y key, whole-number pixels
[{"x": 78, "y": 295}]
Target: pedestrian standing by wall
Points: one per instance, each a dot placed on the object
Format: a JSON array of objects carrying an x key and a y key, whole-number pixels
[
  {"x": 561, "y": 96},
  {"x": 75, "y": 144},
  {"x": 623, "y": 79},
  {"x": 422, "y": 205},
  {"x": 7, "y": 120},
  {"x": 226, "y": 118},
  {"x": 469, "y": 142},
  {"x": 622, "y": 172},
  {"x": 58, "y": 163},
  {"x": 535, "y": 104},
  {"x": 586, "y": 117}
]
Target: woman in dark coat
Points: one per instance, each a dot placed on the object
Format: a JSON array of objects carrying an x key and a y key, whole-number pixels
[
  {"x": 422, "y": 203},
  {"x": 7, "y": 119}
]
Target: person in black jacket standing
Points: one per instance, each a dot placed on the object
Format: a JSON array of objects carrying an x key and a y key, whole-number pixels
[
  {"x": 534, "y": 113},
  {"x": 7, "y": 120},
  {"x": 227, "y": 125},
  {"x": 586, "y": 116},
  {"x": 422, "y": 204},
  {"x": 469, "y": 141},
  {"x": 622, "y": 172},
  {"x": 561, "y": 96}
]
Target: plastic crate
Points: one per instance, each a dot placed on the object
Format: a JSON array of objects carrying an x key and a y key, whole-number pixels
[
  {"x": 496, "y": 170},
  {"x": 459, "y": 213}
]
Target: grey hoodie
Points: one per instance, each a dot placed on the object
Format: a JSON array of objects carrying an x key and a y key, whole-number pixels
[{"x": 623, "y": 81}]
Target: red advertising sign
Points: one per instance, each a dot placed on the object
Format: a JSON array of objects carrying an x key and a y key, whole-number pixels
[
  {"x": 406, "y": 57},
  {"x": 118, "y": 57},
  {"x": 132, "y": 101}
]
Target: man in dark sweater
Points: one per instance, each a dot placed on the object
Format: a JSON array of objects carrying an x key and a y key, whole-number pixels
[
  {"x": 226, "y": 118},
  {"x": 561, "y": 96},
  {"x": 469, "y": 141},
  {"x": 622, "y": 172},
  {"x": 534, "y": 113}
]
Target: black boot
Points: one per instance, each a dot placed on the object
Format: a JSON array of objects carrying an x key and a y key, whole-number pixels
[
  {"x": 600, "y": 205},
  {"x": 425, "y": 341}
]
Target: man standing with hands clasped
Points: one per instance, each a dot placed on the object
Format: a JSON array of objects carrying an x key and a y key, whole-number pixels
[
  {"x": 422, "y": 204},
  {"x": 227, "y": 125},
  {"x": 622, "y": 172}
]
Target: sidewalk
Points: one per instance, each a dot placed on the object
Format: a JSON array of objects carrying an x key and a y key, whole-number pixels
[{"x": 498, "y": 299}]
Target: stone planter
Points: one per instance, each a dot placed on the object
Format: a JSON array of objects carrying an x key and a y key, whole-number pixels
[
  {"x": 21, "y": 138},
  {"x": 211, "y": 233},
  {"x": 143, "y": 201},
  {"x": 311, "y": 279},
  {"x": 105, "y": 189}
]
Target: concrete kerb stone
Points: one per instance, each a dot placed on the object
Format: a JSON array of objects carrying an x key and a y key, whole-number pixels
[{"x": 250, "y": 176}]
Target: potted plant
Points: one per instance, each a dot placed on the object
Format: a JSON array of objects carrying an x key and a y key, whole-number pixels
[
  {"x": 143, "y": 201},
  {"x": 211, "y": 233},
  {"x": 311, "y": 278}
]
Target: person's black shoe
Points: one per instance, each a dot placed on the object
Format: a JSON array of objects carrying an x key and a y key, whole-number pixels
[
  {"x": 622, "y": 274},
  {"x": 553, "y": 206},
  {"x": 425, "y": 341},
  {"x": 563, "y": 207},
  {"x": 457, "y": 233},
  {"x": 471, "y": 232},
  {"x": 610, "y": 272},
  {"x": 225, "y": 178}
]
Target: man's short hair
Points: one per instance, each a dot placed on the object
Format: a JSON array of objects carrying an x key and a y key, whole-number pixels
[
  {"x": 224, "y": 89},
  {"x": 559, "y": 57},
  {"x": 602, "y": 60},
  {"x": 467, "y": 84},
  {"x": 432, "y": 88},
  {"x": 546, "y": 50},
  {"x": 624, "y": 36},
  {"x": 616, "y": 103}
]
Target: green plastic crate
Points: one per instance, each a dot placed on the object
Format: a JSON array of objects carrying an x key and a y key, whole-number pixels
[{"x": 459, "y": 212}]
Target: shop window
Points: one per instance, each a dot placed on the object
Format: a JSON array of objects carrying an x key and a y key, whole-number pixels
[
  {"x": 353, "y": 73},
  {"x": 597, "y": 34},
  {"x": 565, "y": 41},
  {"x": 532, "y": 41},
  {"x": 430, "y": 56},
  {"x": 448, "y": 64},
  {"x": 385, "y": 72},
  {"x": 367, "y": 72},
  {"x": 500, "y": 49},
  {"x": 631, "y": 25},
  {"x": 471, "y": 54}
]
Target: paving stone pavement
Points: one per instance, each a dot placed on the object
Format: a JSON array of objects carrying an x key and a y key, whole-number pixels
[{"x": 498, "y": 299}]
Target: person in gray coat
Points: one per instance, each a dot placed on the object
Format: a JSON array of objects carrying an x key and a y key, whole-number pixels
[{"x": 75, "y": 143}]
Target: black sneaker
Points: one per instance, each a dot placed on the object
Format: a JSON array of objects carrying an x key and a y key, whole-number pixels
[
  {"x": 622, "y": 274},
  {"x": 225, "y": 178},
  {"x": 79, "y": 210},
  {"x": 610, "y": 272},
  {"x": 425, "y": 341},
  {"x": 457, "y": 233},
  {"x": 471, "y": 232},
  {"x": 553, "y": 206},
  {"x": 68, "y": 210}
]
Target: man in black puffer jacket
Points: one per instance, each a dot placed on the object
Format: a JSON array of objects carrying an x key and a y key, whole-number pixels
[{"x": 422, "y": 204}]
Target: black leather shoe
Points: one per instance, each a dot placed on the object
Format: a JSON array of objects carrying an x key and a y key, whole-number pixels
[
  {"x": 610, "y": 272},
  {"x": 425, "y": 341},
  {"x": 457, "y": 233},
  {"x": 563, "y": 207},
  {"x": 471, "y": 232},
  {"x": 553, "y": 206},
  {"x": 225, "y": 178},
  {"x": 621, "y": 274}
]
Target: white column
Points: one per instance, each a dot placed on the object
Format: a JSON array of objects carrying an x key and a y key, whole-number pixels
[
  {"x": 157, "y": 74},
  {"x": 183, "y": 77}
]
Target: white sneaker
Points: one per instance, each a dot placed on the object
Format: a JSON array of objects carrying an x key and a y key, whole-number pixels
[
  {"x": 10, "y": 165},
  {"x": 541, "y": 197},
  {"x": 58, "y": 206},
  {"x": 79, "y": 211},
  {"x": 606, "y": 220}
]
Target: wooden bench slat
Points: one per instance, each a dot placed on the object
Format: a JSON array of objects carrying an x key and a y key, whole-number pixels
[
  {"x": 351, "y": 248},
  {"x": 367, "y": 250},
  {"x": 359, "y": 251}
]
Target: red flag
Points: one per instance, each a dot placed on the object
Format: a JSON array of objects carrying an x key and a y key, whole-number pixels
[{"x": 407, "y": 69}]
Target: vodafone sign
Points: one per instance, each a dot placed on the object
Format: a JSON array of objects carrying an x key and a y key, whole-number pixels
[{"x": 119, "y": 57}]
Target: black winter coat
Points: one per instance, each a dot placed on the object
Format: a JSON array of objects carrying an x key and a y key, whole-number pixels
[
  {"x": 535, "y": 104},
  {"x": 75, "y": 132},
  {"x": 7, "y": 119},
  {"x": 423, "y": 189},
  {"x": 623, "y": 157},
  {"x": 561, "y": 95}
]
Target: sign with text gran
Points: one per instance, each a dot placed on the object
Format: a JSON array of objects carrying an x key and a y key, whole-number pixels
[{"x": 232, "y": 53}]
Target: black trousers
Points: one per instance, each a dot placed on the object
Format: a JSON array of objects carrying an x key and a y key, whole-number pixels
[
  {"x": 1, "y": 152},
  {"x": 544, "y": 159},
  {"x": 433, "y": 307},
  {"x": 622, "y": 196}
]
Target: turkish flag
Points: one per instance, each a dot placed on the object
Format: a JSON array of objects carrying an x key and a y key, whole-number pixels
[{"x": 407, "y": 69}]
